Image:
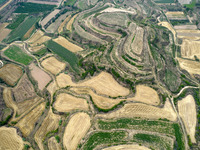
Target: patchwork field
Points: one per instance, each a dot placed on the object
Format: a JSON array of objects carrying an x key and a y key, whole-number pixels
[
  {"x": 66, "y": 103},
  {"x": 76, "y": 129},
  {"x": 132, "y": 110},
  {"x": 67, "y": 44},
  {"x": 62, "y": 26},
  {"x": 9, "y": 139},
  {"x": 104, "y": 83},
  {"x": 41, "y": 77},
  {"x": 50, "y": 123},
  {"x": 27, "y": 124},
  {"x": 53, "y": 65},
  {"x": 187, "y": 111},
  {"x": 10, "y": 74}
]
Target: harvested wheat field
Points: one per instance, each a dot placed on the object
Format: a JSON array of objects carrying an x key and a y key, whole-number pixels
[
  {"x": 40, "y": 41},
  {"x": 193, "y": 67},
  {"x": 52, "y": 87},
  {"x": 175, "y": 15},
  {"x": 127, "y": 147},
  {"x": 111, "y": 9},
  {"x": 24, "y": 90},
  {"x": 185, "y": 27},
  {"x": 50, "y": 123},
  {"x": 69, "y": 24},
  {"x": 53, "y": 65},
  {"x": 27, "y": 123},
  {"x": 187, "y": 111},
  {"x": 25, "y": 106},
  {"x": 68, "y": 45},
  {"x": 190, "y": 49},
  {"x": 188, "y": 34},
  {"x": 10, "y": 74},
  {"x": 146, "y": 94},
  {"x": 38, "y": 34},
  {"x": 99, "y": 101},
  {"x": 41, "y": 77},
  {"x": 132, "y": 110},
  {"x": 66, "y": 103},
  {"x": 36, "y": 48},
  {"x": 169, "y": 27},
  {"x": 10, "y": 140},
  {"x": 78, "y": 126},
  {"x": 104, "y": 83},
  {"x": 61, "y": 27},
  {"x": 53, "y": 144}
]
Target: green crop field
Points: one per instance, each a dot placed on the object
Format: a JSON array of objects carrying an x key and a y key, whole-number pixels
[
  {"x": 70, "y": 2},
  {"x": 33, "y": 8},
  {"x": 20, "y": 31},
  {"x": 16, "y": 54},
  {"x": 65, "y": 54},
  {"x": 164, "y": 1},
  {"x": 147, "y": 125},
  {"x": 19, "y": 19},
  {"x": 99, "y": 138},
  {"x": 2, "y": 1}
]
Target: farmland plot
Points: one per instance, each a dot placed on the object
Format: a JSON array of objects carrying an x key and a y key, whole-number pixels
[
  {"x": 61, "y": 27},
  {"x": 67, "y": 44},
  {"x": 127, "y": 147},
  {"x": 187, "y": 111},
  {"x": 41, "y": 77},
  {"x": 66, "y": 103},
  {"x": 176, "y": 15},
  {"x": 27, "y": 123},
  {"x": 50, "y": 123},
  {"x": 104, "y": 84},
  {"x": 137, "y": 44},
  {"x": 53, "y": 65},
  {"x": 53, "y": 144},
  {"x": 49, "y": 17},
  {"x": 69, "y": 24},
  {"x": 111, "y": 10},
  {"x": 40, "y": 41},
  {"x": 131, "y": 110},
  {"x": 188, "y": 34},
  {"x": 24, "y": 90},
  {"x": 76, "y": 129},
  {"x": 4, "y": 33},
  {"x": 38, "y": 34},
  {"x": 10, "y": 74},
  {"x": 9, "y": 139}
]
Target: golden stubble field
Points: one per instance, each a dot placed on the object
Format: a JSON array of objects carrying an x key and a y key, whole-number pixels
[
  {"x": 10, "y": 140},
  {"x": 76, "y": 129},
  {"x": 187, "y": 111},
  {"x": 53, "y": 65},
  {"x": 127, "y": 147}
]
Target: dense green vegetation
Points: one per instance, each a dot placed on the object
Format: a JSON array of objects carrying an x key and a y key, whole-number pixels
[
  {"x": 99, "y": 138},
  {"x": 146, "y": 125},
  {"x": 16, "y": 54},
  {"x": 164, "y": 1},
  {"x": 33, "y": 8},
  {"x": 70, "y": 2},
  {"x": 191, "y": 5},
  {"x": 2, "y": 1},
  {"x": 2, "y": 46},
  {"x": 65, "y": 54},
  {"x": 179, "y": 137},
  {"x": 19, "y": 19},
  {"x": 20, "y": 31}
]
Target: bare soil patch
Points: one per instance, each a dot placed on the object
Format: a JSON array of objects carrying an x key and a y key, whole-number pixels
[
  {"x": 53, "y": 65},
  {"x": 76, "y": 129},
  {"x": 10, "y": 140},
  {"x": 41, "y": 77},
  {"x": 4, "y": 33},
  {"x": 10, "y": 74},
  {"x": 187, "y": 111},
  {"x": 185, "y": 27}
]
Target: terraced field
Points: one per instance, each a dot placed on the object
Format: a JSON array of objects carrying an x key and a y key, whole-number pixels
[{"x": 93, "y": 75}]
